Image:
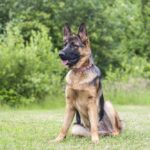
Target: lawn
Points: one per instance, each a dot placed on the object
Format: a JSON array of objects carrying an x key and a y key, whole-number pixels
[{"x": 33, "y": 129}]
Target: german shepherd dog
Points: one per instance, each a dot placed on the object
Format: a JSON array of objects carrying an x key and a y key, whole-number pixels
[{"x": 84, "y": 96}]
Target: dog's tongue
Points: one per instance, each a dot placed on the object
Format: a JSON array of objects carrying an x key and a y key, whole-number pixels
[{"x": 65, "y": 62}]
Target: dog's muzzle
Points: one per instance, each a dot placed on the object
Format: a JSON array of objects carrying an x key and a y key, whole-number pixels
[
  {"x": 62, "y": 55},
  {"x": 69, "y": 58}
]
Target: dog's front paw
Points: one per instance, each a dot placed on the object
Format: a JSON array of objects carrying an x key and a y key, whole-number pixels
[
  {"x": 95, "y": 140},
  {"x": 59, "y": 138}
]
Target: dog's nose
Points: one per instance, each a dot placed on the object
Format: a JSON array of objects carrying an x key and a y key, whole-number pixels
[{"x": 61, "y": 54}]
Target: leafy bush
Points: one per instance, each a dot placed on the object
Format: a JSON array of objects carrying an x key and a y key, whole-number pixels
[
  {"x": 134, "y": 67},
  {"x": 117, "y": 28},
  {"x": 29, "y": 68},
  {"x": 29, "y": 71}
]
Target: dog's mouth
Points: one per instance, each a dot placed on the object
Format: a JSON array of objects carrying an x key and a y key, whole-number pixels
[
  {"x": 70, "y": 62},
  {"x": 65, "y": 62}
]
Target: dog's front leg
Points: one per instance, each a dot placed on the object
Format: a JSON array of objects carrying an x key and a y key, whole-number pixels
[
  {"x": 69, "y": 115},
  {"x": 93, "y": 116}
]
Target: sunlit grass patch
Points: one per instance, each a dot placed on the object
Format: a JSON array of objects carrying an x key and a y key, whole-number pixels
[{"x": 35, "y": 129}]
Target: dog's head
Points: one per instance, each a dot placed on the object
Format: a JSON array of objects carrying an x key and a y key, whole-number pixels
[{"x": 76, "y": 50}]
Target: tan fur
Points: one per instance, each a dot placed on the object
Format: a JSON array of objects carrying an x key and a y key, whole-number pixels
[
  {"x": 111, "y": 121},
  {"x": 84, "y": 97},
  {"x": 84, "y": 60}
]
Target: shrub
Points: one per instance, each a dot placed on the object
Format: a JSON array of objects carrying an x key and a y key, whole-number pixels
[
  {"x": 134, "y": 67},
  {"x": 29, "y": 71},
  {"x": 117, "y": 28}
]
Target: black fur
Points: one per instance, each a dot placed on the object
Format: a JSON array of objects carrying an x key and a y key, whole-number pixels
[
  {"x": 101, "y": 105},
  {"x": 78, "y": 119}
]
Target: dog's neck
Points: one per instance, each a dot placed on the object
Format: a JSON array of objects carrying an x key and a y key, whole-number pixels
[
  {"x": 86, "y": 66},
  {"x": 84, "y": 69}
]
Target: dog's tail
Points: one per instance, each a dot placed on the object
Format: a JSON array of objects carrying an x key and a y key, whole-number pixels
[{"x": 113, "y": 116}]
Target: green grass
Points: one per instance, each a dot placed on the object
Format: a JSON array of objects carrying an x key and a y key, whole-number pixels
[
  {"x": 137, "y": 97},
  {"x": 133, "y": 92},
  {"x": 32, "y": 130}
]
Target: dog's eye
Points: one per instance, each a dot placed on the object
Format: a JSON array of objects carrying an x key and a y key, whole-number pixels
[
  {"x": 81, "y": 45},
  {"x": 74, "y": 45}
]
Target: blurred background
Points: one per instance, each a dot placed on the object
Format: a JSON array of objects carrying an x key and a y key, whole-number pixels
[{"x": 31, "y": 74}]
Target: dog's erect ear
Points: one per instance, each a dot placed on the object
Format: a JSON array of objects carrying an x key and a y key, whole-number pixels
[
  {"x": 83, "y": 32},
  {"x": 67, "y": 32}
]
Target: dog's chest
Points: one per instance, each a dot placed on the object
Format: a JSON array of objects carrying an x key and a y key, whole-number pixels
[
  {"x": 80, "y": 81},
  {"x": 81, "y": 90},
  {"x": 81, "y": 100},
  {"x": 81, "y": 104}
]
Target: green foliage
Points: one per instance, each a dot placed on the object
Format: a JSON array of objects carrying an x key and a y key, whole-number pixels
[
  {"x": 29, "y": 71},
  {"x": 134, "y": 67},
  {"x": 135, "y": 91},
  {"x": 118, "y": 29}
]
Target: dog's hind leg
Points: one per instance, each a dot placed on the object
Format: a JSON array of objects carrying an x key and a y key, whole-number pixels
[
  {"x": 79, "y": 130},
  {"x": 111, "y": 123}
]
